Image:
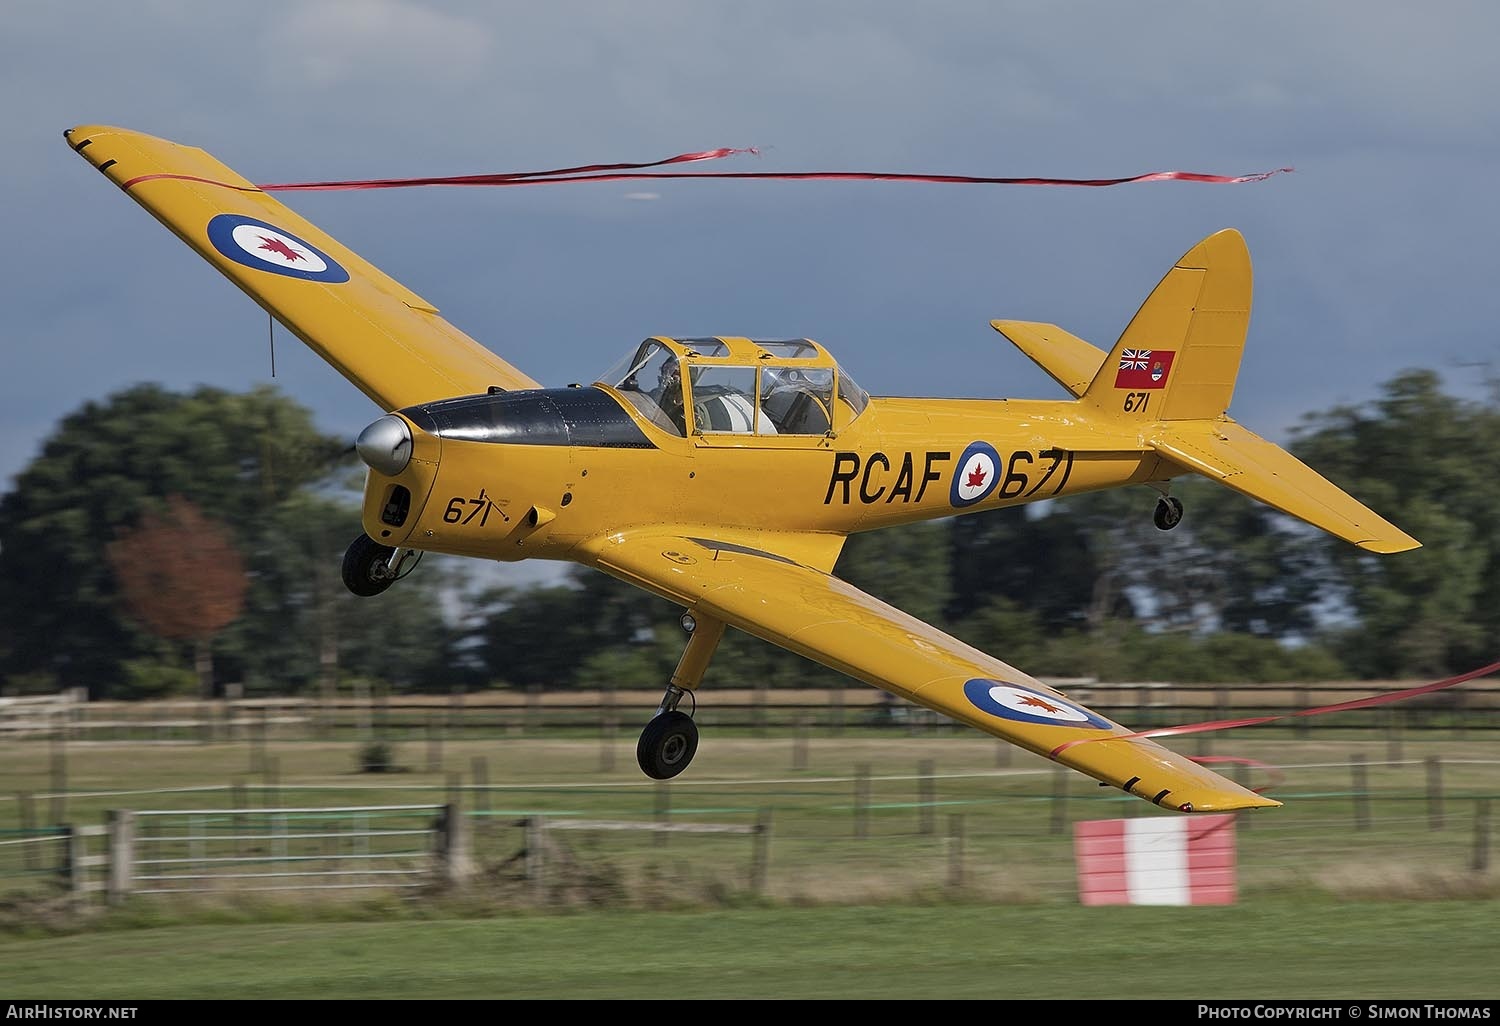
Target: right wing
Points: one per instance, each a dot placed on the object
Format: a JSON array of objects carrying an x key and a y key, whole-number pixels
[
  {"x": 388, "y": 341},
  {"x": 817, "y": 615}
]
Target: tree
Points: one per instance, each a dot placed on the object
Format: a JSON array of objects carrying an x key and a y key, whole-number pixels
[
  {"x": 304, "y": 631},
  {"x": 234, "y": 456},
  {"x": 1424, "y": 461},
  {"x": 181, "y": 576},
  {"x": 1053, "y": 559}
]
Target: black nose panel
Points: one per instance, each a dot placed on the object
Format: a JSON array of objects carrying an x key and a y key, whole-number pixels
[{"x": 587, "y": 417}]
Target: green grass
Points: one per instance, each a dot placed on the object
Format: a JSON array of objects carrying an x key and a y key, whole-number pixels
[
  {"x": 1281, "y": 949},
  {"x": 856, "y": 818},
  {"x": 1364, "y": 885}
]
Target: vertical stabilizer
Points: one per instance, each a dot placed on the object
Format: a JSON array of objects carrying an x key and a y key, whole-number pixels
[{"x": 1179, "y": 356}]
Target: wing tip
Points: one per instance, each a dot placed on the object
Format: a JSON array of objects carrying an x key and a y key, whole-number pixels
[
  {"x": 1232, "y": 804},
  {"x": 1389, "y": 545}
]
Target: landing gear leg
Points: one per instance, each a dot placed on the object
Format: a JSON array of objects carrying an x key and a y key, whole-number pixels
[
  {"x": 370, "y": 567},
  {"x": 670, "y": 739}
]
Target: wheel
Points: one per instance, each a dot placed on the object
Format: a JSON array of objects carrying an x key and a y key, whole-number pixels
[
  {"x": 365, "y": 569},
  {"x": 667, "y": 745},
  {"x": 1168, "y": 512}
]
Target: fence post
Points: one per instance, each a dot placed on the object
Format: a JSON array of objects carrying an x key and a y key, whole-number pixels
[
  {"x": 480, "y": 769},
  {"x": 257, "y": 728},
  {"x": 1003, "y": 753},
  {"x": 862, "y": 800},
  {"x": 925, "y": 798},
  {"x": 760, "y": 852},
  {"x": 1481, "y": 860},
  {"x": 836, "y": 709},
  {"x": 434, "y": 744},
  {"x": 1242, "y": 777},
  {"x": 121, "y": 823},
  {"x": 955, "y": 851},
  {"x": 533, "y": 715},
  {"x": 663, "y": 813},
  {"x": 237, "y": 822},
  {"x": 72, "y": 861},
  {"x": 28, "y": 824},
  {"x": 536, "y": 857},
  {"x": 799, "y": 744},
  {"x": 455, "y": 865},
  {"x": 59, "y": 778},
  {"x": 609, "y": 729},
  {"x": 270, "y": 795},
  {"x": 454, "y": 716},
  {"x": 1394, "y": 716},
  {"x": 1434, "y": 792},
  {"x": 1059, "y": 800},
  {"x": 1361, "y": 792}
]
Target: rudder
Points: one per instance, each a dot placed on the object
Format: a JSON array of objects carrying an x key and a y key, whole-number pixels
[{"x": 1180, "y": 355}]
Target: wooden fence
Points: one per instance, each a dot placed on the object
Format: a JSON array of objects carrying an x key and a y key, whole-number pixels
[{"x": 1474, "y": 706}]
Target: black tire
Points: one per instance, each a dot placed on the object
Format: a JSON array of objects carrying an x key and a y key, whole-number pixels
[
  {"x": 667, "y": 745},
  {"x": 1168, "y": 512},
  {"x": 365, "y": 566}
]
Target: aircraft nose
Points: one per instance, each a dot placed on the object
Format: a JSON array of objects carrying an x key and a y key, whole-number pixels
[{"x": 385, "y": 445}]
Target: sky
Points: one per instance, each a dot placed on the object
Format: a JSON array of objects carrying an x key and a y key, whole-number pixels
[{"x": 1375, "y": 255}]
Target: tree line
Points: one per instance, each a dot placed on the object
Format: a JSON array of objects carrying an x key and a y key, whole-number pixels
[{"x": 178, "y": 543}]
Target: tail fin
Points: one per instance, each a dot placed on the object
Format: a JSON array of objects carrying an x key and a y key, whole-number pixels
[
  {"x": 1179, "y": 356},
  {"x": 1171, "y": 376}
]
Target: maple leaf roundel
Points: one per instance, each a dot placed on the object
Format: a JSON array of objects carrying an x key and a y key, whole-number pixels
[
  {"x": 977, "y": 474},
  {"x": 262, "y": 245},
  {"x": 1028, "y": 705}
]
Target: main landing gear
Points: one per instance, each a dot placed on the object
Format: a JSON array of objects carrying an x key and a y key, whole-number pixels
[
  {"x": 1168, "y": 512},
  {"x": 370, "y": 567},
  {"x": 670, "y": 739}
]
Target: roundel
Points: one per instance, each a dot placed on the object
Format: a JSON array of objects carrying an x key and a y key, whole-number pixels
[
  {"x": 1015, "y": 702},
  {"x": 268, "y": 248},
  {"x": 977, "y": 474}
]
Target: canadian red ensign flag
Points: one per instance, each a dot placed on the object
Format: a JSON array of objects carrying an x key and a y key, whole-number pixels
[
  {"x": 1144, "y": 368},
  {"x": 1156, "y": 860}
]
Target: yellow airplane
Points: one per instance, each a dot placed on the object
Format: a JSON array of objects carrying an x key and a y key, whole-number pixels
[{"x": 724, "y": 473}]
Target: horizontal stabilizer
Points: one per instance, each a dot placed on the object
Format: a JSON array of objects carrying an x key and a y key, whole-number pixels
[
  {"x": 1070, "y": 360},
  {"x": 1242, "y": 460}
]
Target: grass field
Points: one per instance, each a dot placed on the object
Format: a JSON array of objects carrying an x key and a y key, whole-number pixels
[
  {"x": 1281, "y": 949},
  {"x": 899, "y": 866}
]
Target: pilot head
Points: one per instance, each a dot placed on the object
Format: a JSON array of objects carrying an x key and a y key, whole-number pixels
[{"x": 669, "y": 378}]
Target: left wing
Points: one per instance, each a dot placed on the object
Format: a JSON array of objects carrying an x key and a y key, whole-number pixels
[
  {"x": 831, "y": 622},
  {"x": 387, "y": 340}
]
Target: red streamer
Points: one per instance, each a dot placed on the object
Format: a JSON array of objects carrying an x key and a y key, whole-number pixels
[
  {"x": 1275, "y": 772},
  {"x": 633, "y": 172},
  {"x": 1357, "y": 703},
  {"x": 584, "y": 172}
]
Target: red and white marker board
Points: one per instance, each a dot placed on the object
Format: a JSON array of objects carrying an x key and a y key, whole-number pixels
[{"x": 1156, "y": 860}]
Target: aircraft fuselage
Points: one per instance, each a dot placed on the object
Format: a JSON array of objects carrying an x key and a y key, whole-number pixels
[{"x": 520, "y": 475}]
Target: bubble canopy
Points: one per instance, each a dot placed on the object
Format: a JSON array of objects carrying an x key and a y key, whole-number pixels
[{"x": 733, "y": 385}]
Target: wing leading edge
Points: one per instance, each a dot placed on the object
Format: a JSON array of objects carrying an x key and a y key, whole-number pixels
[
  {"x": 833, "y": 623},
  {"x": 388, "y": 341}
]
